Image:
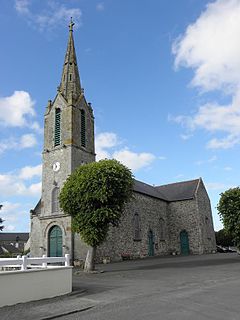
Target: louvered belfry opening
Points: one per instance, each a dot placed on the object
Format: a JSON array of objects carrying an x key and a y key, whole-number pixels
[
  {"x": 57, "y": 136},
  {"x": 83, "y": 129}
]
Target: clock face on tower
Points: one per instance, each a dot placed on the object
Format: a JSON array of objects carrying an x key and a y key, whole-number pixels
[{"x": 56, "y": 166}]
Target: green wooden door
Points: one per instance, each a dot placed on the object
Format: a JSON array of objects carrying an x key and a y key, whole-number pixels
[
  {"x": 184, "y": 242},
  {"x": 55, "y": 242},
  {"x": 150, "y": 243}
]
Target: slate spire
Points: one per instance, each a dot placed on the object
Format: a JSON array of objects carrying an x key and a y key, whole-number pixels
[{"x": 70, "y": 86}]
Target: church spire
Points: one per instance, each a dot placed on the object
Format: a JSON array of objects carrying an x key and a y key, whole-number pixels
[{"x": 70, "y": 86}]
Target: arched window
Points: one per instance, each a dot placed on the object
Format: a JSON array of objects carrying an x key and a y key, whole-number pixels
[
  {"x": 136, "y": 227},
  {"x": 162, "y": 229},
  {"x": 83, "y": 129},
  {"x": 57, "y": 133},
  {"x": 55, "y": 201}
]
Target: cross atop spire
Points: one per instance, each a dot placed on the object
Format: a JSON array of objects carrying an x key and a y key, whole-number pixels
[
  {"x": 70, "y": 86},
  {"x": 71, "y": 24}
]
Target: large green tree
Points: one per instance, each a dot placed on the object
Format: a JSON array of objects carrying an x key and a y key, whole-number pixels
[
  {"x": 229, "y": 210},
  {"x": 223, "y": 238},
  {"x": 1, "y": 220},
  {"x": 95, "y": 195}
]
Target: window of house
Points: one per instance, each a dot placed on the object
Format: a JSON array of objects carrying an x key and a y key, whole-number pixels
[
  {"x": 136, "y": 227},
  {"x": 57, "y": 133},
  {"x": 55, "y": 201},
  {"x": 83, "y": 129}
]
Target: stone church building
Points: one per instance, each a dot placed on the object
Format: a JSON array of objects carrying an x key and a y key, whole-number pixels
[{"x": 169, "y": 219}]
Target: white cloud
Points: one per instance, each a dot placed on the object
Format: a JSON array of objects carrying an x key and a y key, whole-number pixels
[
  {"x": 227, "y": 168},
  {"x": 50, "y": 17},
  {"x": 7, "y": 144},
  {"x": 9, "y": 227},
  {"x": 35, "y": 189},
  {"x": 29, "y": 172},
  {"x": 100, "y": 6},
  {"x": 217, "y": 186},
  {"x": 210, "y": 160},
  {"x": 7, "y": 207},
  {"x": 22, "y": 6},
  {"x": 180, "y": 175},
  {"x": 185, "y": 136},
  {"x": 15, "y": 184},
  {"x": 211, "y": 47},
  {"x": 225, "y": 143},
  {"x": 106, "y": 140},
  {"x": 12, "y": 214},
  {"x": 103, "y": 141},
  {"x": 134, "y": 161},
  {"x": 10, "y": 185},
  {"x": 15, "y": 109},
  {"x": 106, "y": 144},
  {"x": 27, "y": 141},
  {"x": 162, "y": 158},
  {"x": 36, "y": 127}
]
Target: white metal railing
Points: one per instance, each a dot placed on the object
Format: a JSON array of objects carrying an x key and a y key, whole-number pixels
[{"x": 25, "y": 262}]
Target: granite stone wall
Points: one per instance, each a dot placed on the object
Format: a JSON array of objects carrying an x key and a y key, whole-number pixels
[
  {"x": 183, "y": 215},
  {"x": 120, "y": 242},
  {"x": 194, "y": 216},
  {"x": 206, "y": 220}
]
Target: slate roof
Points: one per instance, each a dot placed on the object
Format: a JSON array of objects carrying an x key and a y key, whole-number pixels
[
  {"x": 184, "y": 190},
  {"x": 11, "y": 236},
  {"x": 37, "y": 209},
  {"x": 147, "y": 189}
]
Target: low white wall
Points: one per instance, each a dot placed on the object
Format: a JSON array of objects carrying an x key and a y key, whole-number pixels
[{"x": 29, "y": 285}]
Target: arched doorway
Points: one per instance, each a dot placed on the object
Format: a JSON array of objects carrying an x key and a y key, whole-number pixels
[
  {"x": 55, "y": 242},
  {"x": 150, "y": 243},
  {"x": 184, "y": 242}
]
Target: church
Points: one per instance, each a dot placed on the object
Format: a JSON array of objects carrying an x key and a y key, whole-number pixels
[{"x": 160, "y": 220}]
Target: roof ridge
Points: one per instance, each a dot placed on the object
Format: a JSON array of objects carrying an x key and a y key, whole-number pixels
[{"x": 185, "y": 181}]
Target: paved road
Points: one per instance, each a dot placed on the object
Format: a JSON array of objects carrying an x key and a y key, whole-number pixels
[
  {"x": 170, "y": 288},
  {"x": 197, "y": 287}
]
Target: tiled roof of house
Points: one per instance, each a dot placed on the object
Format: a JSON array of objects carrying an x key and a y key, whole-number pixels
[{"x": 11, "y": 236}]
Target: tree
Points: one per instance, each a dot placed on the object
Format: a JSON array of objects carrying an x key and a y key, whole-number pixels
[
  {"x": 223, "y": 238},
  {"x": 95, "y": 195},
  {"x": 1, "y": 220},
  {"x": 229, "y": 210}
]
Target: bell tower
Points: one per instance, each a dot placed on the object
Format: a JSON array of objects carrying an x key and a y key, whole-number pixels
[{"x": 68, "y": 143}]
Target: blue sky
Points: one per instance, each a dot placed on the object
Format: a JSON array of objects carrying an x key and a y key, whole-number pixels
[{"x": 163, "y": 78}]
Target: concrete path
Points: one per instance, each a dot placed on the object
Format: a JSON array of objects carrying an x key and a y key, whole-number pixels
[{"x": 171, "y": 288}]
